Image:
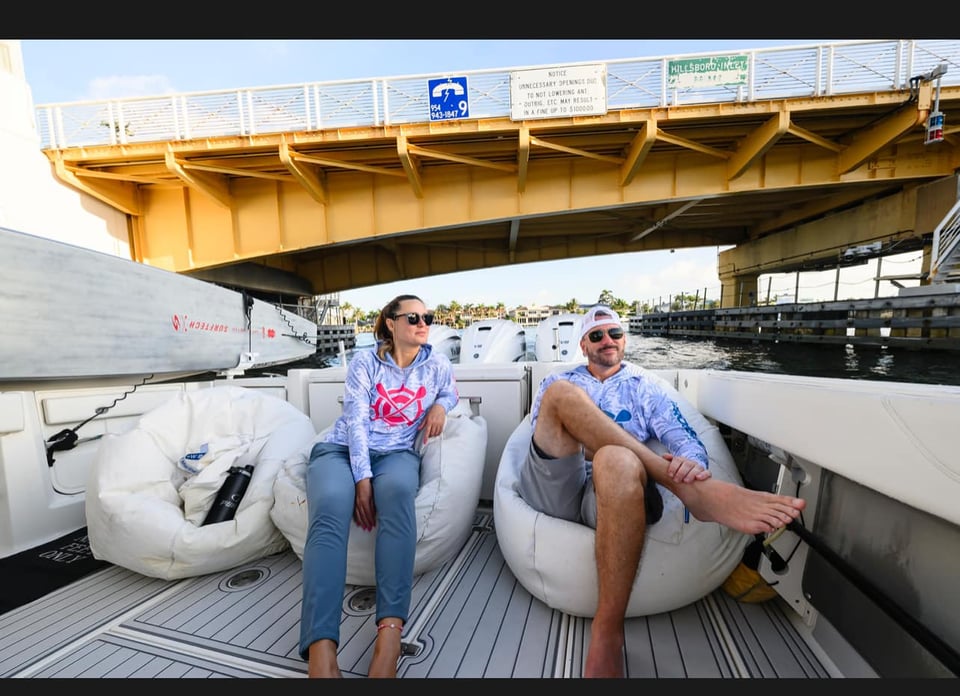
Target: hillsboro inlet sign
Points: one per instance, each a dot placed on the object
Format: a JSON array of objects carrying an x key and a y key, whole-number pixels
[{"x": 712, "y": 71}]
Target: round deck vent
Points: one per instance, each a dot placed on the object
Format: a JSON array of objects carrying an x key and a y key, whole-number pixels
[{"x": 244, "y": 579}]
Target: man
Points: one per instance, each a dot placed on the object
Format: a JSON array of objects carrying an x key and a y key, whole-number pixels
[{"x": 587, "y": 463}]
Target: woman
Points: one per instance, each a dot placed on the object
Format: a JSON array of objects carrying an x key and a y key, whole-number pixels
[{"x": 367, "y": 469}]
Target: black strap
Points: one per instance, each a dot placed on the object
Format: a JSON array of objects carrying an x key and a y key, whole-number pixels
[{"x": 64, "y": 440}]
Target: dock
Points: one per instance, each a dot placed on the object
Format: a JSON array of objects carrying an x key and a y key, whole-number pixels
[
  {"x": 920, "y": 321},
  {"x": 329, "y": 337}
]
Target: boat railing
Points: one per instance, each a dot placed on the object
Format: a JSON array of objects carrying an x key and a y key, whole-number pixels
[{"x": 810, "y": 70}]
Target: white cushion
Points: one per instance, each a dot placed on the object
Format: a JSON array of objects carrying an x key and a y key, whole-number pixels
[
  {"x": 554, "y": 558},
  {"x": 451, "y": 475},
  {"x": 144, "y": 513}
]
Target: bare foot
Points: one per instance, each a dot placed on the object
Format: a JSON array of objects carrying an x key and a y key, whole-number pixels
[
  {"x": 743, "y": 509},
  {"x": 386, "y": 651},
  {"x": 605, "y": 655},
  {"x": 323, "y": 660}
]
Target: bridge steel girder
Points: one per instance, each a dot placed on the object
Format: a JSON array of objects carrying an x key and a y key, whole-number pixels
[
  {"x": 351, "y": 207},
  {"x": 908, "y": 216},
  {"x": 463, "y": 208}
]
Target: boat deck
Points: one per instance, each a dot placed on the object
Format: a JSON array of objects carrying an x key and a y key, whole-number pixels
[{"x": 469, "y": 618}]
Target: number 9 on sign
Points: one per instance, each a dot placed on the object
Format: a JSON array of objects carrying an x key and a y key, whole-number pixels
[{"x": 448, "y": 98}]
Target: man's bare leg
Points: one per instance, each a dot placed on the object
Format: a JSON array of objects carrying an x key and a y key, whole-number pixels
[
  {"x": 568, "y": 418},
  {"x": 322, "y": 659},
  {"x": 621, "y": 525}
]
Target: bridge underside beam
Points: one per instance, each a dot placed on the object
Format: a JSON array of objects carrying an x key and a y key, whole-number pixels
[
  {"x": 474, "y": 217},
  {"x": 901, "y": 221}
]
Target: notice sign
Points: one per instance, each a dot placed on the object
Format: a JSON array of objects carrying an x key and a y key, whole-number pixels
[
  {"x": 579, "y": 90},
  {"x": 713, "y": 71}
]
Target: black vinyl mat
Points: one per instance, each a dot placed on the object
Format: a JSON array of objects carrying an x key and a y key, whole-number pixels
[{"x": 30, "y": 574}]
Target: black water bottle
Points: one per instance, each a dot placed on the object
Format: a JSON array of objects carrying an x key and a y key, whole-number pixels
[{"x": 228, "y": 497}]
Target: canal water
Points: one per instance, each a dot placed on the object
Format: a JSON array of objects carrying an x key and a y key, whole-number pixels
[
  {"x": 860, "y": 362},
  {"x": 844, "y": 361}
]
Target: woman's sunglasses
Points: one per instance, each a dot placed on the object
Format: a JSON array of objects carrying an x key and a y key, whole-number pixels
[
  {"x": 596, "y": 335},
  {"x": 413, "y": 318}
]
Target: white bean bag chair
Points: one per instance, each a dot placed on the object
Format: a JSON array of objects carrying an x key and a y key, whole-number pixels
[
  {"x": 451, "y": 475},
  {"x": 554, "y": 558},
  {"x": 145, "y": 511}
]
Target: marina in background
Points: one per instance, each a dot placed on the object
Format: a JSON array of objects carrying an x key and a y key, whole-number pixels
[{"x": 914, "y": 320}]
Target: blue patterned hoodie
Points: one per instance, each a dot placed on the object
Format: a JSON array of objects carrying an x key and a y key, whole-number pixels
[
  {"x": 383, "y": 404},
  {"x": 637, "y": 404}
]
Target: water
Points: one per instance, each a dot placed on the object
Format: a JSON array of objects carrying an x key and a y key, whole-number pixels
[
  {"x": 851, "y": 362},
  {"x": 882, "y": 363}
]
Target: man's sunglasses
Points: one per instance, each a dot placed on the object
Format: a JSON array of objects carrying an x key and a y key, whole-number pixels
[
  {"x": 413, "y": 318},
  {"x": 596, "y": 335}
]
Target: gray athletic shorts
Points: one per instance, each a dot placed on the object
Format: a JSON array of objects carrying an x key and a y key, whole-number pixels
[{"x": 559, "y": 487}]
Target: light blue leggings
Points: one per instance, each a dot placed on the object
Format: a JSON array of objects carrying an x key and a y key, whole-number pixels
[{"x": 330, "y": 500}]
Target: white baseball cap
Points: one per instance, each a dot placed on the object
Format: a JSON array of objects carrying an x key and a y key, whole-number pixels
[{"x": 598, "y": 315}]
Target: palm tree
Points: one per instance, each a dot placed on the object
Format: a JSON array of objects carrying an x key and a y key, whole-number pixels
[
  {"x": 349, "y": 314},
  {"x": 443, "y": 314},
  {"x": 455, "y": 319}
]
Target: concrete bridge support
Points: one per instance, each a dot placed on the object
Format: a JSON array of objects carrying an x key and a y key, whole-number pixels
[
  {"x": 892, "y": 224},
  {"x": 739, "y": 290}
]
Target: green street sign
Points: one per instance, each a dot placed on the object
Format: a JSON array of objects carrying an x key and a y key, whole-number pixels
[{"x": 712, "y": 71}]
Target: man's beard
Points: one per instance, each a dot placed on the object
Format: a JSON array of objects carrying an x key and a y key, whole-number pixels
[{"x": 608, "y": 359}]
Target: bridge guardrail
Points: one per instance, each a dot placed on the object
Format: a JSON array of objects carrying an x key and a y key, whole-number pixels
[{"x": 773, "y": 73}]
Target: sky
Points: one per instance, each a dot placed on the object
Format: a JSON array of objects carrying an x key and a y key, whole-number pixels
[{"x": 66, "y": 70}]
